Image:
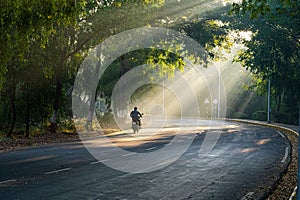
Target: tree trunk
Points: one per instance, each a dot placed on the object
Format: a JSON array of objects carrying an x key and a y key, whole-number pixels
[
  {"x": 278, "y": 103},
  {"x": 89, "y": 120},
  {"x": 56, "y": 105},
  {"x": 13, "y": 119},
  {"x": 58, "y": 93},
  {"x": 13, "y": 112},
  {"x": 122, "y": 104},
  {"x": 27, "y": 116}
]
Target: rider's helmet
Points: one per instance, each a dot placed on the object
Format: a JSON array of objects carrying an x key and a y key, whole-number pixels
[{"x": 135, "y": 108}]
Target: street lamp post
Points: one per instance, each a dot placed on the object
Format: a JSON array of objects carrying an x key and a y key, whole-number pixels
[
  {"x": 219, "y": 92},
  {"x": 298, "y": 180},
  {"x": 269, "y": 100},
  {"x": 163, "y": 98},
  {"x": 269, "y": 86}
]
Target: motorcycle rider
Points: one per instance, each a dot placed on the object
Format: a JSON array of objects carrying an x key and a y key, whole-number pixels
[{"x": 136, "y": 115}]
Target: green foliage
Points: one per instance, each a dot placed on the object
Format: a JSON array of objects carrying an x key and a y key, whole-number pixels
[
  {"x": 259, "y": 115},
  {"x": 42, "y": 46},
  {"x": 44, "y": 42},
  {"x": 255, "y": 8},
  {"x": 281, "y": 117},
  {"x": 109, "y": 79},
  {"x": 165, "y": 63},
  {"x": 214, "y": 32},
  {"x": 273, "y": 51},
  {"x": 259, "y": 8},
  {"x": 25, "y": 23},
  {"x": 155, "y": 3},
  {"x": 240, "y": 115}
]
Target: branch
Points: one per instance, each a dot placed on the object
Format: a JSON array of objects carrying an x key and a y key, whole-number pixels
[
  {"x": 79, "y": 47},
  {"x": 283, "y": 31}
]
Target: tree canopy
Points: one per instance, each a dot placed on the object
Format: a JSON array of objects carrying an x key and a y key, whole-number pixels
[
  {"x": 43, "y": 44},
  {"x": 273, "y": 51}
]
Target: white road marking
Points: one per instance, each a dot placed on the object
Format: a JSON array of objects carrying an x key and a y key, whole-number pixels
[
  {"x": 129, "y": 154},
  {"x": 149, "y": 149},
  {"x": 281, "y": 134},
  {"x": 213, "y": 155},
  {"x": 7, "y": 181},
  {"x": 180, "y": 141},
  {"x": 57, "y": 171},
  {"x": 285, "y": 155},
  {"x": 293, "y": 196},
  {"x": 99, "y": 161},
  {"x": 247, "y": 195}
]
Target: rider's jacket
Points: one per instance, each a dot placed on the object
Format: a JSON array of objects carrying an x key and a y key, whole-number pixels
[{"x": 135, "y": 115}]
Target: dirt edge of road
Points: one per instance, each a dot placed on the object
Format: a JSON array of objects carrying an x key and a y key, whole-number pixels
[{"x": 20, "y": 141}]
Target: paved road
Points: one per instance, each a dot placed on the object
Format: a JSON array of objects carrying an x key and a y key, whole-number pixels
[{"x": 242, "y": 164}]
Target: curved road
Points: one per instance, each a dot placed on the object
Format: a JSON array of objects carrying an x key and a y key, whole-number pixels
[{"x": 244, "y": 163}]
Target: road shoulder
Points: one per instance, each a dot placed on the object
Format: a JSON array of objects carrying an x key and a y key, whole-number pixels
[{"x": 285, "y": 186}]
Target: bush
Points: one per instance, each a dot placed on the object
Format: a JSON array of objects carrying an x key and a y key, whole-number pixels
[
  {"x": 107, "y": 121},
  {"x": 286, "y": 118},
  {"x": 240, "y": 115},
  {"x": 67, "y": 125},
  {"x": 259, "y": 115}
]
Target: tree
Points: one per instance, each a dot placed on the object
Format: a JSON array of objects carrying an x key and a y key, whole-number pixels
[
  {"x": 22, "y": 22},
  {"x": 110, "y": 19},
  {"x": 273, "y": 51},
  {"x": 47, "y": 37}
]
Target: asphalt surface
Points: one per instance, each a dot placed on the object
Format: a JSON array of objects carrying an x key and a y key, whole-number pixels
[{"x": 244, "y": 163}]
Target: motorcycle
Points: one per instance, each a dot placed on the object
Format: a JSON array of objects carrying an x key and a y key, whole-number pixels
[{"x": 135, "y": 126}]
